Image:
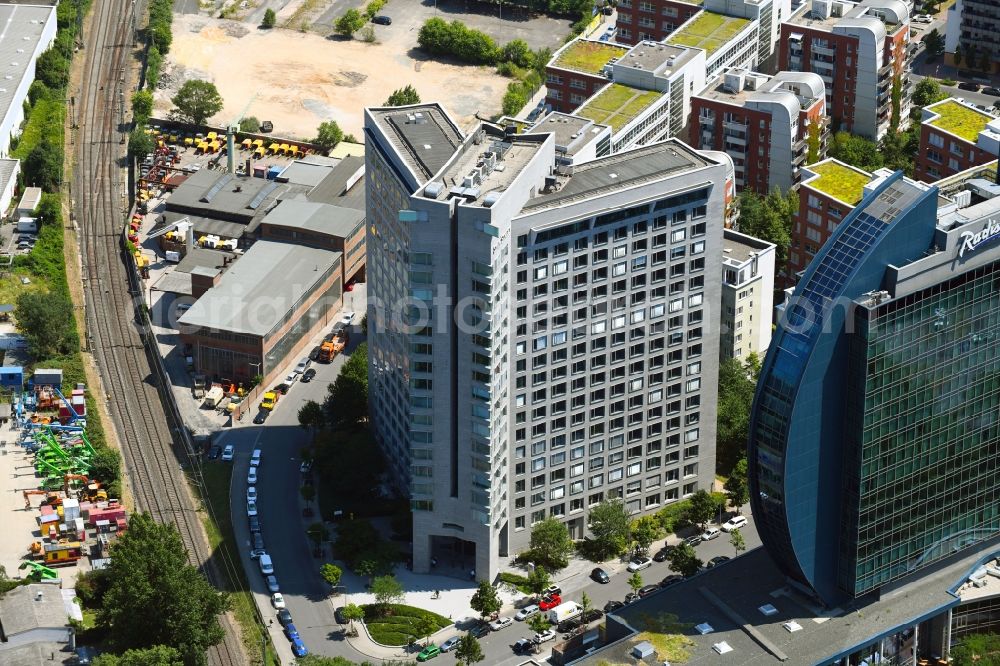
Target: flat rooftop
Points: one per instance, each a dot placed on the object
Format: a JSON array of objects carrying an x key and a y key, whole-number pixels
[
  {"x": 198, "y": 258},
  {"x": 344, "y": 185},
  {"x": 617, "y": 105},
  {"x": 261, "y": 288},
  {"x": 838, "y": 180},
  {"x": 307, "y": 171},
  {"x": 568, "y": 130},
  {"x": 207, "y": 226},
  {"x": 807, "y": 18},
  {"x": 739, "y": 247},
  {"x": 708, "y": 31},
  {"x": 218, "y": 194},
  {"x": 959, "y": 119},
  {"x": 316, "y": 217},
  {"x": 21, "y": 610},
  {"x": 20, "y": 39},
  {"x": 620, "y": 171},
  {"x": 729, "y": 598},
  {"x": 422, "y": 134},
  {"x": 655, "y": 56},
  {"x": 589, "y": 57}
]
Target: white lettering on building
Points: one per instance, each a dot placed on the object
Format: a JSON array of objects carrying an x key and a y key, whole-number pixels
[{"x": 971, "y": 241}]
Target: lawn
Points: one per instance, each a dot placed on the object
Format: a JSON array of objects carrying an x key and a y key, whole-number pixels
[
  {"x": 959, "y": 119},
  {"x": 617, "y": 105},
  {"x": 590, "y": 57},
  {"x": 840, "y": 182},
  {"x": 400, "y": 624},
  {"x": 708, "y": 31}
]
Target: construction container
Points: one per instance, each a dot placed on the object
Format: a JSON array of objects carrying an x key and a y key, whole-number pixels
[
  {"x": 259, "y": 170},
  {"x": 48, "y": 377},
  {"x": 71, "y": 509},
  {"x": 29, "y": 201},
  {"x": 273, "y": 172}
]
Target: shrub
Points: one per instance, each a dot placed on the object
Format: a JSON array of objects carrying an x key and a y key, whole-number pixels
[
  {"x": 270, "y": 18},
  {"x": 154, "y": 62}
]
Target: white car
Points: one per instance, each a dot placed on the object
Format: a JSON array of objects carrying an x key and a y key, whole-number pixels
[
  {"x": 734, "y": 523},
  {"x": 638, "y": 563},
  {"x": 347, "y": 318},
  {"x": 228, "y": 452},
  {"x": 923, "y": 18},
  {"x": 272, "y": 584},
  {"x": 252, "y": 494},
  {"x": 277, "y": 601},
  {"x": 252, "y": 476},
  {"x": 291, "y": 378},
  {"x": 526, "y": 612},
  {"x": 306, "y": 466},
  {"x": 500, "y": 623},
  {"x": 543, "y": 636},
  {"x": 710, "y": 533},
  {"x": 251, "y": 508},
  {"x": 451, "y": 644}
]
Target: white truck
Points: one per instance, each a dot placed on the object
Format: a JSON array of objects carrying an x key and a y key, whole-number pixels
[
  {"x": 565, "y": 611},
  {"x": 213, "y": 398},
  {"x": 28, "y": 225}
]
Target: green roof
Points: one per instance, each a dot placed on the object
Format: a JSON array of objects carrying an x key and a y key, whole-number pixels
[
  {"x": 708, "y": 31},
  {"x": 959, "y": 119},
  {"x": 589, "y": 57},
  {"x": 616, "y": 105},
  {"x": 839, "y": 181}
]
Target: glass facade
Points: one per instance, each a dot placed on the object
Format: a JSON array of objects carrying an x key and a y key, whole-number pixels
[{"x": 923, "y": 480}]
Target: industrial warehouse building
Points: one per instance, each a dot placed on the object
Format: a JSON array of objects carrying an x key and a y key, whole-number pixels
[{"x": 28, "y": 31}]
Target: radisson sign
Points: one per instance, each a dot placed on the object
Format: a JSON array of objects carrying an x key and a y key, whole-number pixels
[{"x": 971, "y": 241}]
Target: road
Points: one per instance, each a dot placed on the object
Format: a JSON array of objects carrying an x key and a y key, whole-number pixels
[{"x": 937, "y": 69}]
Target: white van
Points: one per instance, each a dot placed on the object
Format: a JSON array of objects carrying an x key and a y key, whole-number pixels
[
  {"x": 734, "y": 523},
  {"x": 266, "y": 567}
]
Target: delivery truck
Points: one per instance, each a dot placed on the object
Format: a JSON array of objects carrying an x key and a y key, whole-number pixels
[{"x": 565, "y": 611}]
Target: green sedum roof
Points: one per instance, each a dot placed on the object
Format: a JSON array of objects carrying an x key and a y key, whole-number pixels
[
  {"x": 617, "y": 105},
  {"x": 839, "y": 181},
  {"x": 708, "y": 31},
  {"x": 589, "y": 57},
  {"x": 959, "y": 119}
]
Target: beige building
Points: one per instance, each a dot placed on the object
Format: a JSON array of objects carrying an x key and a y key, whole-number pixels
[{"x": 747, "y": 295}]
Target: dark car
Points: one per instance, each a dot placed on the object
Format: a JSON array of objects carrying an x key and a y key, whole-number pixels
[
  {"x": 647, "y": 590},
  {"x": 662, "y": 554},
  {"x": 612, "y": 606},
  {"x": 568, "y": 625},
  {"x": 672, "y": 579},
  {"x": 631, "y": 596},
  {"x": 308, "y": 375},
  {"x": 716, "y": 561},
  {"x": 338, "y": 615},
  {"x": 282, "y": 388},
  {"x": 592, "y": 615},
  {"x": 314, "y": 354},
  {"x": 600, "y": 575},
  {"x": 214, "y": 452},
  {"x": 693, "y": 540},
  {"x": 523, "y": 646},
  {"x": 291, "y": 631},
  {"x": 995, "y": 92},
  {"x": 254, "y": 524},
  {"x": 382, "y": 19},
  {"x": 261, "y": 417},
  {"x": 284, "y": 617},
  {"x": 480, "y": 629},
  {"x": 967, "y": 85}
]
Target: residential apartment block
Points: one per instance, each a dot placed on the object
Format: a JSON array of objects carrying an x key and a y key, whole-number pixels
[
  {"x": 728, "y": 41},
  {"x": 765, "y": 123},
  {"x": 541, "y": 338},
  {"x": 651, "y": 20},
  {"x": 747, "y": 295},
  {"x": 860, "y": 52},
  {"x": 973, "y": 23},
  {"x": 955, "y": 136},
  {"x": 577, "y": 71}
]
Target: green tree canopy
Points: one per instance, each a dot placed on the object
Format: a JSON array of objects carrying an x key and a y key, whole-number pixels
[
  {"x": 485, "y": 601},
  {"x": 43, "y": 166},
  {"x": 156, "y": 597},
  {"x": 353, "y": 613},
  {"x": 403, "y": 96},
  {"x": 934, "y": 41},
  {"x": 645, "y": 530},
  {"x": 683, "y": 560},
  {"x": 550, "y": 544},
  {"x": 52, "y": 69},
  {"x": 977, "y": 650},
  {"x": 331, "y": 573},
  {"x": 927, "y": 91},
  {"x": 609, "y": 524},
  {"x": 140, "y": 144},
  {"x": 269, "y": 20},
  {"x": 328, "y": 135},
  {"x": 387, "y": 590},
  {"x": 737, "y": 486},
  {"x": 468, "y": 651},
  {"x": 737, "y": 382},
  {"x": 197, "y": 101},
  {"x": 347, "y": 401},
  {"x": 538, "y": 579},
  {"x": 311, "y": 415},
  {"x": 703, "y": 506},
  {"x": 518, "y": 52},
  {"x": 856, "y": 151},
  {"x": 737, "y": 541},
  {"x": 769, "y": 218},
  {"x": 635, "y": 581},
  {"x": 142, "y": 105},
  {"x": 348, "y": 24},
  {"x": 45, "y": 319},
  {"x": 158, "y": 655},
  {"x": 250, "y": 124}
]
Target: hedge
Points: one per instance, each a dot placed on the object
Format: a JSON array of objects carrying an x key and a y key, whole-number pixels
[{"x": 397, "y": 626}]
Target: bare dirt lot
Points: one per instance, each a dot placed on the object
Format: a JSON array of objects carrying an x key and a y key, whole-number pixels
[{"x": 302, "y": 79}]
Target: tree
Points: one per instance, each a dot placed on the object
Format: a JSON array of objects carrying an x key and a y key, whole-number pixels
[
  {"x": 423, "y": 628},
  {"x": 635, "y": 581},
  {"x": 737, "y": 487},
  {"x": 270, "y": 19},
  {"x": 737, "y": 382},
  {"x": 513, "y": 100},
  {"x": 609, "y": 523},
  {"x": 538, "y": 623},
  {"x": 347, "y": 399},
  {"x": 52, "y": 69},
  {"x": 158, "y": 655},
  {"x": 538, "y": 579},
  {"x": 737, "y": 541},
  {"x": 156, "y": 597},
  {"x": 684, "y": 560},
  {"x": 43, "y": 167},
  {"x": 197, "y": 101},
  {"x": 311, "y": 416},
  {"x": 328, "y": 135},
  {"x": 645, "y": 531},
  {"x": 485, "y": 601},
  {"x": 468, "y": 651},
  {"x": 250, "y": 124},
  {"x": 142, "y": 105},
  {"x": 387, "y": 590},
  {"x": 551, "y": 544},
  {"x": 349, "y": 23},
  {"x": 977, "y": 650},
  {"x": 702, "y": 507},
  {"x": 518, "y": 52},
  {"x": 856, "y": 151},
  {"x": 106, "y": 466},
  {"x": 927, "y": 91},
  {"x": 403, "y": 96},
  {"x": 585, "y": 604},
  {"x": 140, "y": 144},
  {"x": 353, "y": 612},
  {"x": 45, "y": 319},
  {"x": 331, "y": 573},
  {"x": 769, "y": 218},
  {"x": 934, "y": 42},
  {"x": 971, "y": 52}
]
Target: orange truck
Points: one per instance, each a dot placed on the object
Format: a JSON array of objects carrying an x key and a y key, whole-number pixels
[{"x": 333, "y": 344}]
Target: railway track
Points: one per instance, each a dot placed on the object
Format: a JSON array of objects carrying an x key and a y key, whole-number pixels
[{"x": 151, "y": 452}]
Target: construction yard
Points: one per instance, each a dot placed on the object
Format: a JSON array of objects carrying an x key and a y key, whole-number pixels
[{"x": 301, "y": 79}]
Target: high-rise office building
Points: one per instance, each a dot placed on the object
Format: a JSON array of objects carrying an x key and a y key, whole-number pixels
[
  {"x": 973, "y": 29},
  {"x": 875, "y": 431},
  {"x": 541, "y": 339}
]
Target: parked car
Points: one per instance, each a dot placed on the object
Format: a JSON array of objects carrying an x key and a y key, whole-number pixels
[
  {"x": 592, "y": 615},
  {"x": 308, "y": 375},
  {"x": 662, "y": 554},
  {"x": 254, "y": 524},
  {"x": 256, "y": 456},
  {"x": 272, "y": 584},
  {"x": 968, "y": 85},
  {"x": 647, "y": 590},
  {"x": 526, "y": 612},
  {"x": 277, "y": 600},
  {"x": 228, "y": 452},
  {"x": 266, "y": 565},
  {"x": 283, "y": 388},
  {"x": 734, "y": 523},
  {"x": 551, "y": 589},
  {"x": 252, "y": 494},
  {"x": 715, "y": 561},
  {"x": 693, "y": 540},
  {"x": 923, "y": 18},
  {"x": 338, "y": 615},
  {"x": 638, "y": 563},
  {"x": 306, "y": 466},
  {"x": 252, "y": 476},
  {"x": 672, "y": 579},
  {"x": 299, "y": 648},
  {"x": 429, "y": 652},
  {"x": 251, "y": 508},
  {"x": 543, "y": 636},
  {"x": 302, "y": 365},
  {"x": 284, "y": 617},
  {"x": 612, "y": 606},
  {"x": 710, "y": 533},
  {"x": 382, "y": 19},
  {"x": 291, "y": 631},
  {"x": 500, "y": 623},
  {"x": 479, "y": 629},
  {"x": 258, "y": 541},
  {"x": 347, "y": 317},
  {"x": 549, "y": 602},
  {"x": 631, "y": 596},
  {"x": 256, "y": 552},
  {"x": 261, "y": 417},
  {"x": 214, "y": 452},
  {"x": 523, "y": 646},
  {"x": 450, "y": 644},
  {"x": 995, "y": 92},
  {"x": 314, "y": 353},
  {"x": 600, "y": 575},
  {"x": 567, "y": 626}
]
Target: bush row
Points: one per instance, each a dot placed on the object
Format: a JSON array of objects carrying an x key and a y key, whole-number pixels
[{"x": 160, "y": 31}]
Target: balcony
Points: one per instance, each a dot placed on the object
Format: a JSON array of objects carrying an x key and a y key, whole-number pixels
[{"x": 823, "y": 50}]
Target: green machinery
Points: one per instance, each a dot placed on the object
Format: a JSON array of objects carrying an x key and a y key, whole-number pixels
[
  {"x": 38, "y": 571},
  {"x": 54, "y": 460}
]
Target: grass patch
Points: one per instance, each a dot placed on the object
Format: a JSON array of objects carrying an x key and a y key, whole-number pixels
[
  {"x": 666, "y": 635},
  {"x": 959, "y": 119},
  {"x": 520, "y": 582},
  {"x": 708, "y": 31},
  {"x": 219, "y": 529},
  {"x": 617, "y": 105},
  {"x": 840, "y": 182},
  {"x": 590, "y": 57},
  {"x": 400, "y": 624}
]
